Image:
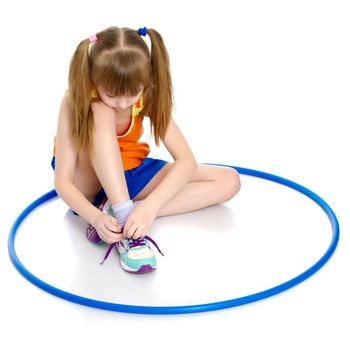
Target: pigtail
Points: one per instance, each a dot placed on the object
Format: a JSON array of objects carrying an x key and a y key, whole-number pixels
[
  {"x": 79, "y": 87},
  {"x": 162, "y": 92}
]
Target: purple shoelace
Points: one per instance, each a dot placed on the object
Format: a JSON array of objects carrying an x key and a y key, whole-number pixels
[{"x": 132, "y": 243}]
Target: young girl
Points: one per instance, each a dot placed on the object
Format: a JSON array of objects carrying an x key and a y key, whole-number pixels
[{"x": 101, "y": 170}]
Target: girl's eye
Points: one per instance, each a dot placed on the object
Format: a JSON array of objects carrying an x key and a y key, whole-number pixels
[{"x": 115, "y": 96}]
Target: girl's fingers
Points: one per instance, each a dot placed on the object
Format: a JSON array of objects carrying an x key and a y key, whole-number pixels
[
  {"x": 129, "y": 232},
  {"x": 113, "y": 229},
  {"x": 137, "y": 233},
  {"x": 108, "y": 235},
  {"x": 113, "y": 226},
  {"x": 133, "y": 230}
]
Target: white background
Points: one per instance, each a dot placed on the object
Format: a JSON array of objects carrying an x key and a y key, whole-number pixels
[{"x": 258, "y": 84}]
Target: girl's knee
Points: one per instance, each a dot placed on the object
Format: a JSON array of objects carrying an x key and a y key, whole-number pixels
[{"x": 231, "y": 183}]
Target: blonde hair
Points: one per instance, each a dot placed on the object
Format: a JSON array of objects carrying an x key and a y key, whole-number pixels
[{"x": 121, "y": 63}]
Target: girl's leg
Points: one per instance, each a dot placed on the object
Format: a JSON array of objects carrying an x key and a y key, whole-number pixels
[
  {"x": 106, "y": 160},
  {"x": 210, "y": 185}
]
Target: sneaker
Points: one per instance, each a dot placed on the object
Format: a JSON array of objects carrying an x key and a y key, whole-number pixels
[{"x": 136, "y": 256}]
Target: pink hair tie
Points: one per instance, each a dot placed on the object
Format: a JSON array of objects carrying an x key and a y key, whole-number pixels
[{"x": 93, "y": 38}]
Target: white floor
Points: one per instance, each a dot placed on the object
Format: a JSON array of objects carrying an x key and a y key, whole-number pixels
[
  {"x": 283, "y": 110},
  {"x": 221, "y": 248}
]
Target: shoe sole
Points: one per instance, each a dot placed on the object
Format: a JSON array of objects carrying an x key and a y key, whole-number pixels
[{"x": 142, "y": 269}]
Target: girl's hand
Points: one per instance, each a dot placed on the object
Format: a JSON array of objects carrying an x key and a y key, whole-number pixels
[
  {"x": 139, "y": 221},
  {"x": 99, "y": 108},
  {"x": 105, "y": 225}
]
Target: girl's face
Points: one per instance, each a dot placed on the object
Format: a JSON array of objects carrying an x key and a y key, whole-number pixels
[{"x": 119, "y": 103}]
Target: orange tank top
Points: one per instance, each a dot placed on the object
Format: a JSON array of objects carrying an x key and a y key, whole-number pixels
[{"x": 132, "y": 152}]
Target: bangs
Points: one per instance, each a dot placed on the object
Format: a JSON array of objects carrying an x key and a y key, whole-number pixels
[{"x": 121, "y": 73}]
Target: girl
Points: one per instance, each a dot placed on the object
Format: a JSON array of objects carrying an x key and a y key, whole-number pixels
[{"x": 101, "y": 170}]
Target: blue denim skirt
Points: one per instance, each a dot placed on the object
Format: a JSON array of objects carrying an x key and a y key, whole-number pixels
[{"x": 136, "y": 178}]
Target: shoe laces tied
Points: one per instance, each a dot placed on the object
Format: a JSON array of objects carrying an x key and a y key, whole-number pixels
[{"x": 132, "y": 243}]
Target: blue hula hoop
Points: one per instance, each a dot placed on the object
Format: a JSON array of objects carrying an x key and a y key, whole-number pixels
[{"x": 186, "y": 308}]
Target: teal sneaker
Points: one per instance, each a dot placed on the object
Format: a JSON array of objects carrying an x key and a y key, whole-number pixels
[{"x": 136, "y": 255}]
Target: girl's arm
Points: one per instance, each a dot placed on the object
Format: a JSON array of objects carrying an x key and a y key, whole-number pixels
[
  {"x": 71, "y": 195},
  {"x": 65, "y": 168},
  {"x": 180, "y": 174}
]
